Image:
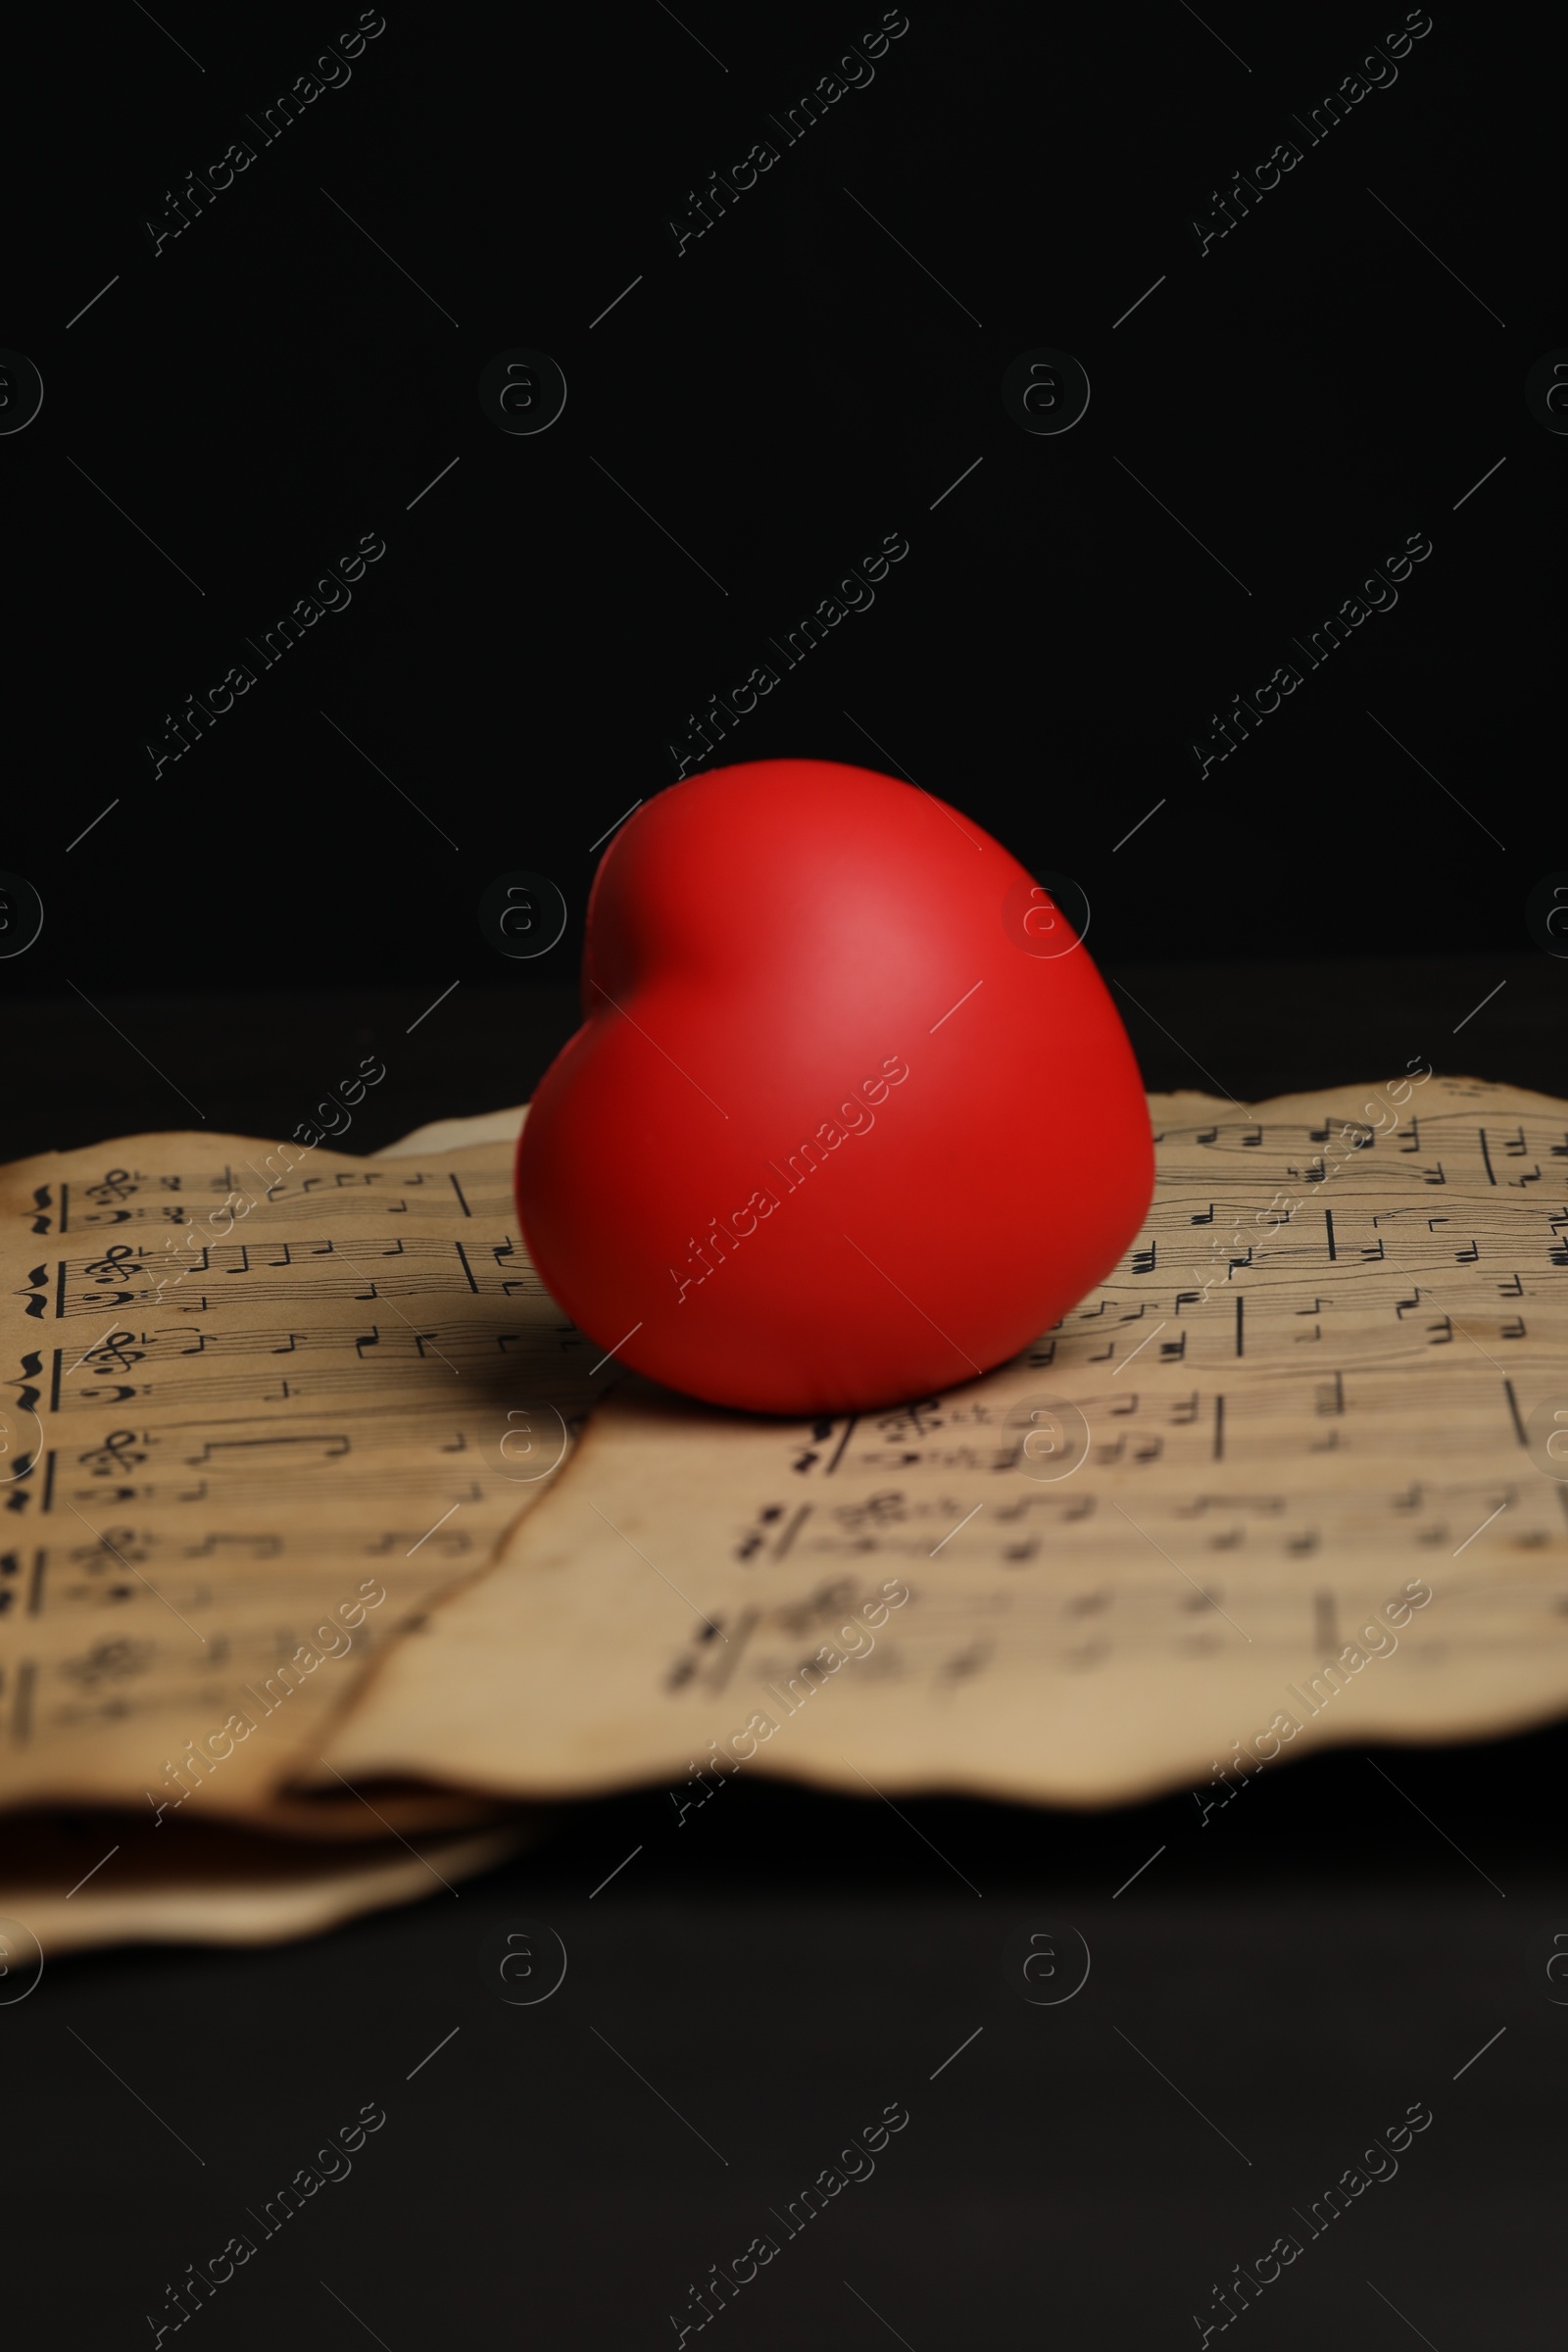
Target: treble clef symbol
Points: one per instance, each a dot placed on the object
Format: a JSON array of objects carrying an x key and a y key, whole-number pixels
[
  {"x": 113, "y": 1349},
  {"x": 117, "y": 1453},
  {"x": 112, "y": 1266},
  {"x": 117, "y": 1183}
]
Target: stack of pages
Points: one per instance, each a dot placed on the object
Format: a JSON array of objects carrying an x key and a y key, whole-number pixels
[{"x": 329, "y": 1548}]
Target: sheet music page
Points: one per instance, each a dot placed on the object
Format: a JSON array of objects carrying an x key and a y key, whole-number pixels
[
  {"x": 260, "y": 1403},
  {"x": 1283, "y": 1478},
  {"x": 72, "y": 1881}
]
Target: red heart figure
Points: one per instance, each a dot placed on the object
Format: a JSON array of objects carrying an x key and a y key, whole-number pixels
[{"x": 851, "y": 1117}]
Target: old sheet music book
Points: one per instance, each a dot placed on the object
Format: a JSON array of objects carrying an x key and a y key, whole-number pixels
[{"x": 1291, "y": 1475}]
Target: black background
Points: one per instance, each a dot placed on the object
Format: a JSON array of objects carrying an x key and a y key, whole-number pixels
[
  {"x": 1303, "y": 396},
  {"x": 512, "y": 671}
]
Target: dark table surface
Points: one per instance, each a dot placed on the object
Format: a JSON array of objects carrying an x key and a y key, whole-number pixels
[{"x": 1265, "y": 1999}]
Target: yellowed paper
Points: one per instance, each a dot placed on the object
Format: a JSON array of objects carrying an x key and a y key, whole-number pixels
[
  {"x": 260, "y": 1403},
  {"x": 72, "y": 1882},
  {"x": 1314, "y": 1502}
]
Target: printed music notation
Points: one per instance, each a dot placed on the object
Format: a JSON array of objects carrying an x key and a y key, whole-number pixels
[
  {"x": 1306, "y": 1488},
  {"x": 140, "y": 1370},
  {"x": 215, "y": 1438},
  {"x": 1284, "y": 1465},
  {"x": 139, "y": 1275},
  {"x": 121, "y": 1196}
]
